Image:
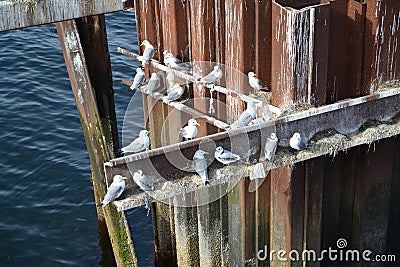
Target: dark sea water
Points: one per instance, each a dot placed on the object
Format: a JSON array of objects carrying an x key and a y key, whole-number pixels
[{"x": 47, "y": 209}]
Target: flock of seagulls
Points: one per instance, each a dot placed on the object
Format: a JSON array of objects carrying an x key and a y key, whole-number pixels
[
  {"x": 174, "y": 92},
  {"x": 199, "y": 161}
]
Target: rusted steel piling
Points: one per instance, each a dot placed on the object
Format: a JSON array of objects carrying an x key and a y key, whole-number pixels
[{"x": 308, "y": 53}]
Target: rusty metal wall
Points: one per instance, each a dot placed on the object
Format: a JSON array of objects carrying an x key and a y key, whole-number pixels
[
  {"x": 313, "y": 52},
  {"x": 381, "y": 55}
]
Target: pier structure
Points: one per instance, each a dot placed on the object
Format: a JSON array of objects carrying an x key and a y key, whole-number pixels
[
  {"x": 329, "y": 67},
  {"x": 332, "y": 75}
]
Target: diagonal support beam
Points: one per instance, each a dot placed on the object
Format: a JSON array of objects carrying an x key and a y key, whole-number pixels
[
  {"x": 158, "y": 65},
  {"x": 179, "y": 106}
]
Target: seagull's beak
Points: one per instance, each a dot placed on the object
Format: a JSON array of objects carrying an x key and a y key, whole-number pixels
[
  {"x": 123, "y": 177},
  {"x": 205, "y": 152},
  {"x": 141, "y": 44},
  {"x": 197, "y": 124}
]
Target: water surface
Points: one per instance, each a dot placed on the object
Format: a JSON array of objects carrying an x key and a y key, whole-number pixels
[{"x": 47, "y": 209}]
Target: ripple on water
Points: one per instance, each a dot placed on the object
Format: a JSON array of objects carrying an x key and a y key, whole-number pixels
[{"x": 47, "y": 210}]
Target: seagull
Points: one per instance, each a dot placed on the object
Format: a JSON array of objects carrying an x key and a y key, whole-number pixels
[
  {"x": 143, "y": 181},
  {"x": 270, "y": 146},
  {"x": 114, "y": 190},
  {"x": 247, "y": 116},
  {"x": 189, "y": 131},
  {"x": 175, "y": 91},
  {"x": 153, "y": 84},
  {"x": 296, "y": 142},
  {"x": 254, "y": 82},
  {"x": 170, "y": 60},
  {"x": 148, "y": 53},
  {"x": 139, "y": 144},
  {"x": 225, "y": 156},
  {"x": 139, "y": 79},
  {"x": 213, "y": 76},
  {"x": 199, "y": 164}
]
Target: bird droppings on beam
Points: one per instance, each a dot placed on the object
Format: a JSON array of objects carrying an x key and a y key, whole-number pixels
[
  {"x": 329, "y": 144},
  {"x": 328, "y": 130}
]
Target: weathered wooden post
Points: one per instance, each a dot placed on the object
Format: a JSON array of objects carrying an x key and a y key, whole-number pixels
[{"x": 84, "y": 44}]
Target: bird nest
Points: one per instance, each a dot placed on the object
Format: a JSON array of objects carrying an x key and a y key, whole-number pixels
[
  {"x": 294, "y": 108},
  {"x": 388, "y": 85}
]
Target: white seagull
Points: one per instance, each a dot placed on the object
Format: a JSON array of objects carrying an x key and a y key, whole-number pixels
[
  {"x": 247, "y": 116},
  {"x": 254, "y": 82},
  {"x": 189, "y": 131},
  {"x": 170, "y": 60},
  {"x": 139, "y": 144},
  {"x": 114, "y": 190},
  {"x": 270, "y": 146},
  {"x": 154, "y": 83},
  {"x": 148, "y": 53},
  {"x": 296, "y": 142},
  {"x": 199, "y": 164},
  {"x": 213, "y": 76},
  {"x": 175, "y": 91},
  {"x": 225, "y": 156},
  {"x": 139, "y": 79},
  {"x": 143, "y": 181}
]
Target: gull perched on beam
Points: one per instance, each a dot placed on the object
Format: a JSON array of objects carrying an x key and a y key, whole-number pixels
[
  {"x": 154, "y": 83},
  {"x": 189, "y": 131},
  {"x": 174, "y": 63},
  {"x": 270, "y": 147},
  {"x": 139, "y": 144},
  {"x": 225, "y": 156},
  {"x": 114, "y": 190},
  {"x": 143, "y": 181},
  {"x": 247, "y": 116},
  {"x": 296, "y": 142},
  {"x": 148, "y": 53},
  {"x": 213, "y": 76},
  {"x": 254, "y": 82},
  {"x": 174, "y": 92},
  {"x": 170, "y": 60},
  {"x": 199, "y": 164},
  {"x": 139, "y": 79}
]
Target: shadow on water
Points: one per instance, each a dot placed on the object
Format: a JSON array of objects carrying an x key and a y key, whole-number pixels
[{"x": 107, "y": 256}]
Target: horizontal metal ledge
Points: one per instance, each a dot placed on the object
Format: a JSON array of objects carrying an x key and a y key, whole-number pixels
[
  {"x": 22, "y": 14},
  {"x": 345, "y": 121}
]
